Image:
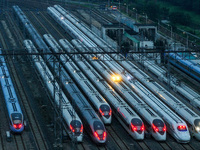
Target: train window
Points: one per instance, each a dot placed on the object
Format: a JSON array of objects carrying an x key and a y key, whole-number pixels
[
  {"x": 158, "y": 123},
  {"x": 137, "y": 125},
  {"x": 136, "y": 122},
  {"x": 159, "y": 126},
  {"x": 105, "y": 110},
  {"x": 76, "y": 126},
  {"x": 98, "y": 127},
  {"x": 16, "y": 118}
]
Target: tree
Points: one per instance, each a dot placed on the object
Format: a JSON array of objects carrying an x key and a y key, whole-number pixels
[
  {"x": 153, "y": 10},
  {"x": 180, "y": 18}
]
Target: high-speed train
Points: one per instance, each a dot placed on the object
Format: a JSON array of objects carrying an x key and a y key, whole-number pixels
[
  {"x": 102, "y": 107},
  {"x": 74, "y": 126},
  {"x": 170, "y": 117},
  {"x": 30, "y": 31},
  {"x": 155, "y": 124},
  {"x": 89, "y": 43},
  {"x": 92, "y": 122},
  {"x": 16, "y": 118},
  {"x": 132, "y": 123},
  {"x": 104, "y": 46},
  {"x": 187, "y": 66},
  {"x": 175, "y": 104},
  {"x": 192, "y": 96},
  {"x": 77, "y": 33}
]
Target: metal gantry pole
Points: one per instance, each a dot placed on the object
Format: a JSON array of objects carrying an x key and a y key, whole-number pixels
[{"x": 60, "y": 136}]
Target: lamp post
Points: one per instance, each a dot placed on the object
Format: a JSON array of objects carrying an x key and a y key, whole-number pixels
[
  {"x": 186, "y": 39},
  {"x": 145, "y": 15},
  {"x": 134, "y": 9},
  {"x": 171, "y": 30},
  {"x": 126, "y": 5}
]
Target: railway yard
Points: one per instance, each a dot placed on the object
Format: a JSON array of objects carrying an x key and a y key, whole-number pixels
[{"x": 44, "y": 126}]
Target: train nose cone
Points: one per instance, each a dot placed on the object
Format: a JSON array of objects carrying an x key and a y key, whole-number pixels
[
  {"x": 140, "y": 136},
  {"x": 184, "y": 138}
]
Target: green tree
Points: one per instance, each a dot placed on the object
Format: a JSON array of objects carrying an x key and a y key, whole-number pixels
[
  {"x": 153, "y": 10},
  {"x": 180, "y": 18}
]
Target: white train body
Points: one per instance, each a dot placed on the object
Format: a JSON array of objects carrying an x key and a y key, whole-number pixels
[
  {"x": 74, "y": 124},
  {"x": 131, "y": 98},
  {"x": 124, "y": 113},
  {"x": 185, "y": 112},
  {"x": 187, "y": 92},
  {"x": 100, "y": 104},
  {"x": 16, "y": 118},
  {"x": 84, "y": 39}
]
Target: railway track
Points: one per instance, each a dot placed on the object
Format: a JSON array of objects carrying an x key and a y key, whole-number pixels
[
  {"x": 185, "y": 146},
  {"x": 121, "y": 145},
  {"x": 23, "y": 141},
  {"x": 18, "y": 142},
  {"x": 118, "y": 140}
]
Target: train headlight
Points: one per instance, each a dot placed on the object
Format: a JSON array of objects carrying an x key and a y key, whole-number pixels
[
  {"x": 116, "y": 78},
  {"x": 128, "y": 77},
  {"x": 198, "y": 129}
]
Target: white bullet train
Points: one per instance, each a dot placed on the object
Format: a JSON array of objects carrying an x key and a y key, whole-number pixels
[
  {"x": 84, "y": 39},
  {"x": 192, "y": 96},
  {"x": 74, "y": 125},
  {"x": 132, "y": 123},
  {"x": 76, "y": 33},
  {"x": 16, "y": 118},
  {"x": 100, "y": 104},
  {"x": 28, "y": 28},
  {"x": 155, "y": 124},
  {"x": 93, "y": 124},
  {"x": 170, "y": 117},
  {"x": 180, "y": 108},
  {"x": 87, "y": 31}
]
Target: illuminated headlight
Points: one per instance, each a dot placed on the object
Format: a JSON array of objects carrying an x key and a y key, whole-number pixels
[
  {"x": 116, "y": 78},
  {"x": 198, "y": 129},
  {"x": 128, "y": 77}
]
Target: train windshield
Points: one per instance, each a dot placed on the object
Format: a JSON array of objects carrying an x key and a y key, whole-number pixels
[
  {"x": 137, "y": 125},
  {"x": 16, "y": 118},
  {"x": 98, "y": 127},
  {"x": 197, "y": 125},
  {"x": 159, "y": 126},
  {"x": 105, "y": 110},
  {"x": 76, "y": 127},
  {"x": 99, "y": 130}
]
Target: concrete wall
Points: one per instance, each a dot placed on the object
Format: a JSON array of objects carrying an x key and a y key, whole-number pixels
[{"x": 101, "y": 33}]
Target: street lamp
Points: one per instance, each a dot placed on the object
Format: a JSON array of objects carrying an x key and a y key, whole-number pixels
[
  {"x": 186, "y": 39},
  {"x": 145, "y": 17},
  {"x": 171, "y": 30},
  {"x": 134, "y": 9},
  {"x": 126, "y": 5}
]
